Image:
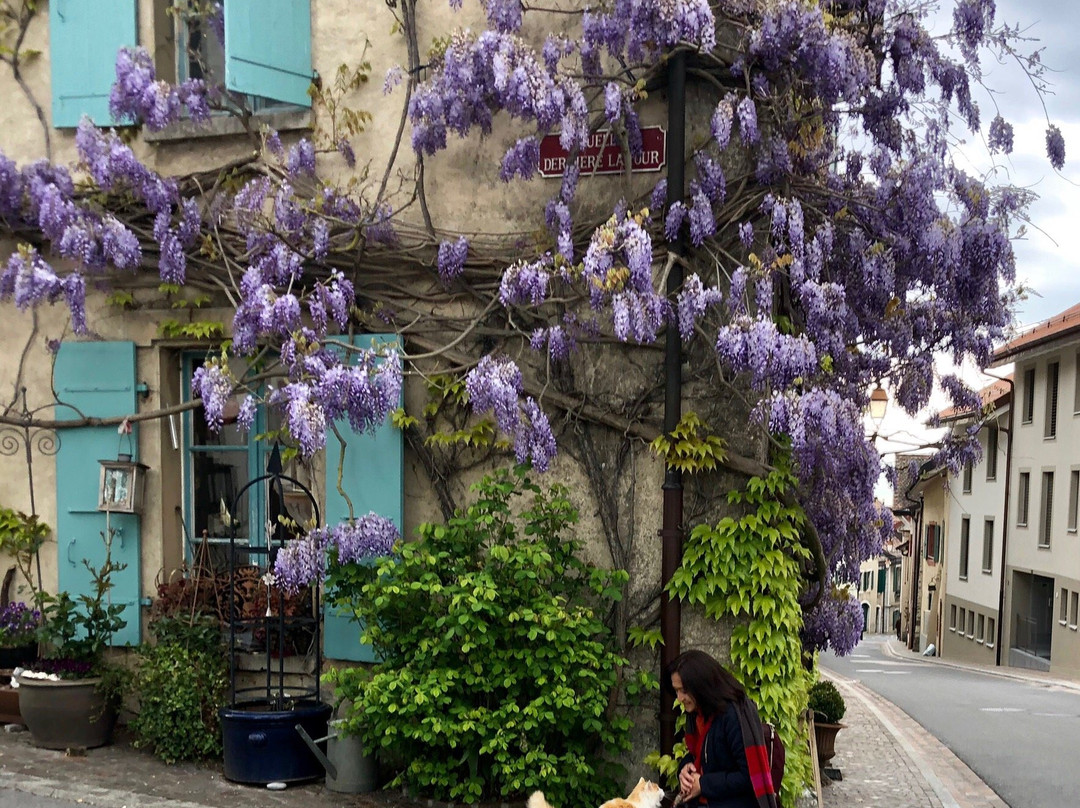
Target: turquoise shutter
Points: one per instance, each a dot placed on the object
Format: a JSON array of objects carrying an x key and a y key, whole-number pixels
[
  {"x": 97, "y": 379},
  {"x": 373, "y": 477},
  {"x": 84, "y": 36},
  {"x": 268, "y": 49}
]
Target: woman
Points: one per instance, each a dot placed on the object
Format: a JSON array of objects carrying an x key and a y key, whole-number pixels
[{"x": 721, "y": 724}]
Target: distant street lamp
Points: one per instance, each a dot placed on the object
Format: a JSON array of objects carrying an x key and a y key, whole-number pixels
[{"x": 879, "y": 402}]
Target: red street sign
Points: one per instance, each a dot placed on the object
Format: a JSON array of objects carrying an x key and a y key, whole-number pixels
[{"x": 604, "y": 155}]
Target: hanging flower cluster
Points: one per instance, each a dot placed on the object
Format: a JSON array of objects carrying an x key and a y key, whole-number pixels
[{"x": 302, "y": 562}]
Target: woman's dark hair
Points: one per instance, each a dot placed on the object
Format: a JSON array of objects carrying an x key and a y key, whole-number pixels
[{"x": 710, "y": 683}]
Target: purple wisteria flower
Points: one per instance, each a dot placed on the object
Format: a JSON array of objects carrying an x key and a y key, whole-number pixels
[
  {"x": 522, "y": 159},
  {"x": 748, "y": 128},
  {"x": 533, "y": 440},
  {"x": 302, "y": 562},
  {"x": 720, "y": 123},
  {"x": 1000, "y": 138},
  {"x": 245, "y": 418},
  {"x": 138, "y": 94},
  {"x": 526, "y": 282},
  {"x": 393, "y": 78},
  {"x": 213, "y": 384},
  {"x": 301, "y": 159},
  {"x": 694, "y": 300},
  {"x": 1055, "y": 147},
  {"x": 494, "y": 385},
  {"x": 452, "y": 255}
]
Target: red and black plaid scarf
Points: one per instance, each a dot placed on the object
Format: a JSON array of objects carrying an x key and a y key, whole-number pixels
[{"x": 757, "y": 755}]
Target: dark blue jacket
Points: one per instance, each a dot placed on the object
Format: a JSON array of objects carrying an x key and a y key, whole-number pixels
[{"x": 725, "y": 776}]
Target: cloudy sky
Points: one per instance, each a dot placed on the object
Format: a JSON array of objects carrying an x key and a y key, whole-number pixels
[{"x": 1048, "y": 256}]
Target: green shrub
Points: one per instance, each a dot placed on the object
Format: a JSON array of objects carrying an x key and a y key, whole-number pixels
[
  {"x": 497, "y": 677},
  {"x": 826, "y": 702},
  {"x": 181, "y": 681}
]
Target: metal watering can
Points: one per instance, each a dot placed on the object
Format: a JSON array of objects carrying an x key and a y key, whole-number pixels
[{"x": 348, "y": 769}]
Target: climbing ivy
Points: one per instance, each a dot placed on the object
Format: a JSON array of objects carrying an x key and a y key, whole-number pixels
[{"x": 749, "y": 567}]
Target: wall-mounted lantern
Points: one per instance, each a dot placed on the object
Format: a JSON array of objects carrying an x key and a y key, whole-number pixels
[{"x": 123, "y": 485}]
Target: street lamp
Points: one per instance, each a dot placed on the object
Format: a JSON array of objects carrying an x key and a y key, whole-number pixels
[{"x": 879, "y": 402}]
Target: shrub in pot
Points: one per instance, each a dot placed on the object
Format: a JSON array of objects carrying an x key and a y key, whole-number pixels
[
  {"x": 826, "y": 702},
  {"x": 491, "y": 642},
  {"x": 70, "y": 696},
  {"x": 828, "y": 706},
  {"x": 182, "y": 682}
]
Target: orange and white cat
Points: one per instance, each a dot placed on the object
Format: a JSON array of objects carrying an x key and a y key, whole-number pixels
[{"x": 646, "y": 794}]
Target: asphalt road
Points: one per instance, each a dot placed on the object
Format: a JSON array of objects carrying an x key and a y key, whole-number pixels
[{"x": 1020, "y": 737}]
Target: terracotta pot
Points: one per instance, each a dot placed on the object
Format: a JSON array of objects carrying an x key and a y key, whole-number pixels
[
  {"x": 69, "y": 713},
  {"x": 825, "y": 736}
]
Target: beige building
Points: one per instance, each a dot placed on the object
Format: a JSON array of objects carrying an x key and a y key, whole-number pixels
[
  {"x": 1042, "y": 573},
  {"x": 974, "y": 539}
]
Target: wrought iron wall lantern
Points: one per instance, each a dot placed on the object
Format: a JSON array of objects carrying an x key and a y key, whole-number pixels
[{"x": 123, "y": 485}]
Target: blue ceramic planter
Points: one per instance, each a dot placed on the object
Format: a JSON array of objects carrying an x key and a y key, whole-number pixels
[{"x": 262, "y": 745}]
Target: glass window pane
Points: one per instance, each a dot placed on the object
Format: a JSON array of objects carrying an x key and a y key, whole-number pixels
[{"x": 216, "y": 479}]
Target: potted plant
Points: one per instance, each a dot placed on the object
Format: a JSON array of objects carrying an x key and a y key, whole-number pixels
[
  {"x": 70, "y": 696},
  {"x": 829, "y": 707},
  {"x": 19, "y": 626}
]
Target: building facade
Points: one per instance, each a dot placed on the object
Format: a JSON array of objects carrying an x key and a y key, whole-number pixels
[{"x": 1042, "y": 572}]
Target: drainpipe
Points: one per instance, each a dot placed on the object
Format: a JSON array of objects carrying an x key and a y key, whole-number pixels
[
  {"x": 916, "y": 557},
  {"x": 1004, "y": 515},
  {"x": 671, "y": 533}
]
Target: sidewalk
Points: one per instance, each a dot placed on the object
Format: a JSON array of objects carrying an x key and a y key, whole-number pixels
[{"x": 886, "y": 758}]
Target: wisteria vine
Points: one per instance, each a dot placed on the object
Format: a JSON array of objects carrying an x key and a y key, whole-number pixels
[{"x": 836, "y": 245}]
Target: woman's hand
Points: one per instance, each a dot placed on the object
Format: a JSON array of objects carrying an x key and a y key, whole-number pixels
[{"x": 689, "y": 783}]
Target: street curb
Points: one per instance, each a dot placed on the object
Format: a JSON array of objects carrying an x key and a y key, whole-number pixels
[
  {"x": 1004, "y": 673},
  {"x": 87, "y": 794}
]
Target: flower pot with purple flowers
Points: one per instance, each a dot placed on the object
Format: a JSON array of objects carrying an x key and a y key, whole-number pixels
[
  {"x": 69, "y": 697},
  {"x": 19, "y": 625}
]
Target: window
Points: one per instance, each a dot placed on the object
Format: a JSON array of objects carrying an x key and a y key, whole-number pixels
[
  {"x": 896, "y": 581},
  {"x": 991, "y": 451},
  {"x": 1074, "y": 603},
  {"x": 1076, "y": 386},
  {"x": 266, "y": 52},
  {"x": 991, "y": 637},
  {"x": 965, "y": 542},
  {"x": 971, "y": 623},
  {"x": 216, "y": 468},
  {"x": 1023, "y": 490},
  {"x": 988, "y": 546},
  {"x": 952, "y": 617},
  {"x": 967, "y": 478},
  {"x": 1074, "y": 494},
  {"x": 83, "y": 41},
  {"x": 1050, "y": 427},
  {"x": 1063, "y": 608},
  {"x": 980, "y": 633},
  {"x": 1028, "y": 414},
  {"x": 963, "y": 617},
  {"x": 1047, "y": 510},
  {"x": 933, "y": 542}
]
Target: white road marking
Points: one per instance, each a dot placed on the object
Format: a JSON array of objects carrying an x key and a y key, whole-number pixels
[{"x": 1001, "y": 709}]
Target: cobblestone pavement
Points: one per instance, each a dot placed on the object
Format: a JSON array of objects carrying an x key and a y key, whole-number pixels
[{"x": 887, "y": 759}]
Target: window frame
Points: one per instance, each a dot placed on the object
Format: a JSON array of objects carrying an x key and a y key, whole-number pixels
[
  {"x": 1027, "y": 415},
  {"x": 991, "y": 636},
  {"x": 1063, "y": 609},
  {"x": 1053, "y": 378},
  {"x": 992, "y": 437},
  {"x": 1074, "y": 499},
  {"x": 988, "y": 546},
  {"x": 1076, "y": 384},
  {"x": 966, "y": 478},
  {"x": 1046, "y": 510},
  {"x": 1023, "y": 499},
  {"x": 257, "y": 453},
  {"x": 980, "y": 629},
  {"x": 952, "y": 617},
  {"x": 1074, "y": 607},
  {"x": 965, "y": 546}
]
